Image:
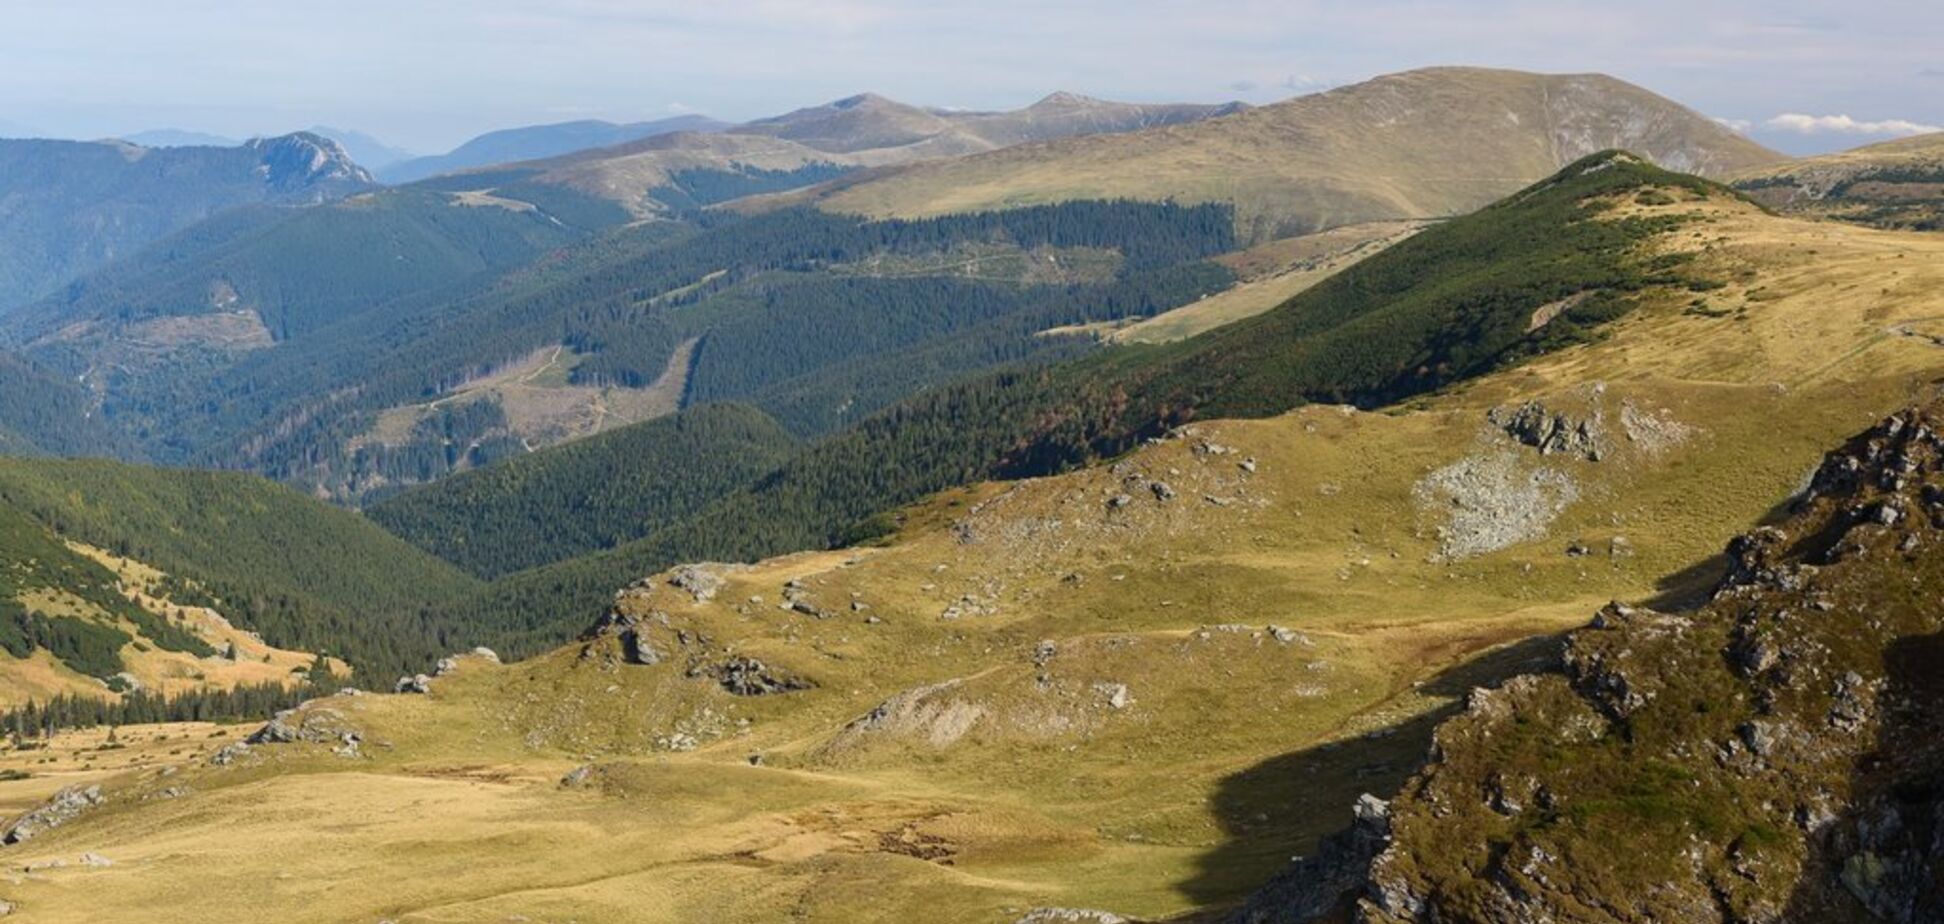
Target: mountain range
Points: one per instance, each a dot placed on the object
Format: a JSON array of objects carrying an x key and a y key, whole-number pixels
[
  {"x": 1114, "y": 635},
  {"x": 1432, "y": 142}
]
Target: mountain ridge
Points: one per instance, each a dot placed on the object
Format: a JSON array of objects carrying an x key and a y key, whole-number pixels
[{"x": 1423, "y": 143}]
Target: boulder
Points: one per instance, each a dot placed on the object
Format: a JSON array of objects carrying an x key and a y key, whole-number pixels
[{"x": 63, "y": 807}]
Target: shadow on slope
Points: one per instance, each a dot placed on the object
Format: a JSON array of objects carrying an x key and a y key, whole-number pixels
[
  {"x": 1285, "y": 806},
  {"x": 1879, "y": 860}
]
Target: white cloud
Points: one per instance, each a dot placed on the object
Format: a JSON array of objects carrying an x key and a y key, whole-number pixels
[
  {"x": 1844, "y": 125},
  {"x": 1735, "y": 125}
]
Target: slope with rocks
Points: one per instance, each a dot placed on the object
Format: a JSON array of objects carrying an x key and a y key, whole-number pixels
[
  {"x": 1892, "y": 184},
  {"x": 67, "y": 207},
  {"x": 1137, "y": 688},
  {"x": 1420, "y": 144},
  {"x": 1770, "y": 756}
]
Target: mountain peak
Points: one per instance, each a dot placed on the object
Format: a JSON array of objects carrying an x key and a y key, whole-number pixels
[
  {"x": 302, "y": 159},
  {"x": 864, "y": 100},
  {"x": 1063, "y": 98}
]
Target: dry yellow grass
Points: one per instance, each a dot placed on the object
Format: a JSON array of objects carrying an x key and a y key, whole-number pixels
[{"x": 1166, "y": 752}]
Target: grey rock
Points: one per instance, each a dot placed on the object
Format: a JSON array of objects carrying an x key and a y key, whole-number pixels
[
  {"x": 415, "y": 683},
  {"x": 63, "y": 807}
]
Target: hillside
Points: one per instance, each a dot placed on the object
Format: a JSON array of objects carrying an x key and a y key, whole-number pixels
[
  {"x": 1421, "y": 144},
  {"x": 41, "y": 413},
  {"x": 303, "y": 575},
  {"x": 534, "y": 142},
  {"x": 590, "y": 495},
  {"x": 67, "y": 207},
  {"x": 1537, "y": 272},
  {"x": 1769, "y": 756},
  {"x": 1139, "y": 687},
  {"x": 76, "y": 621},
  {"x": 1893, "y": 184},
  {"x": 372, "y": 380}
]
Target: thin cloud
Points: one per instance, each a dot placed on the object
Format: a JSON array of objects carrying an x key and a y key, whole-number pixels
[
  {"x": 1736, "y": 125},
  {"x": 1844, "y": 125}
]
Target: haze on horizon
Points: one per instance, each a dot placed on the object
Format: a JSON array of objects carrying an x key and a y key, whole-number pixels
[{"x": 427, "y": 75}]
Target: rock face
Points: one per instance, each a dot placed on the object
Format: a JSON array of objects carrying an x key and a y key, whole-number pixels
[
  {"x": 65, "y": 806},
  {"x": 1320, "y": 884},
  {"x": 1550, "y": 431},
  {"x": 1770, "y": 757}
]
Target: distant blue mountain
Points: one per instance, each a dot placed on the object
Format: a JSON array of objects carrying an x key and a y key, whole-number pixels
[{"x": 537, "y": 141}]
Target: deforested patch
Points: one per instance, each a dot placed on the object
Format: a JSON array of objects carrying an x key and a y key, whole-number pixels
[{"x": 1490, "y": 501}]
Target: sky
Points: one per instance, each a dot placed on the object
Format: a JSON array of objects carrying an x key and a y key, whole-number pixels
[{"x": 427, "y": 74}]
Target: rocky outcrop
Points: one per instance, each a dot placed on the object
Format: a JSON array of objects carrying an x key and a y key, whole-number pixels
[
  {"x": 742, "y": 676},
  {"x": 1327, "y": 880},
  {"x": 65, "y": 806},
  {"x": 1771, "y": 757},
  {"x": 313, "y": 724},
  {"x": 1551, "y": 431}
]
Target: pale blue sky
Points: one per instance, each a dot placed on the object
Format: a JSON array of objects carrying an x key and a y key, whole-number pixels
[{"x": 428, "y": 74}]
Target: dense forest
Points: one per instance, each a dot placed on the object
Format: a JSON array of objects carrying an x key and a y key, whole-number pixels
[
  {"x": 774, "y": 298},
  {"x": 589, "y": 495}
]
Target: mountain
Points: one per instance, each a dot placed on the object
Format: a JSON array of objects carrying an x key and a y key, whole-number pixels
[
  {"x": 537, "y": 142},
  {"x": 1063, "y": 114},
  {"x": 1134, "y": 690},
  {"x": 1426, "y": 143},
  {"x": 869, "y": 122},
  {"x": 373, "y": 154},
  {"x": 1893, "y": 184},
  {"x": 67, "y": 207},
  {"x": 178, "y": 138}
]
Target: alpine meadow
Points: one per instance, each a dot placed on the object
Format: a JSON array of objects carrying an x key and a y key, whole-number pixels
[{"x": 608, "y": 484}]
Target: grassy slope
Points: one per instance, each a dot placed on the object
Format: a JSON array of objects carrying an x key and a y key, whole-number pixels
[
  {"x": 1231, "y": 752},
  {"x": 1421, "y": 144},
  {"x": 589, "y": 495},
  {"x": 304, "y": 574}
]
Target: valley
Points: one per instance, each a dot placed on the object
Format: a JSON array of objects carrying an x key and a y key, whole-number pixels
[{"x": 1453, "y": 496}]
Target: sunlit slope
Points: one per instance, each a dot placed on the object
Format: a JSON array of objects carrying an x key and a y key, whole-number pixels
[{"x": 1139, "y": 687}]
